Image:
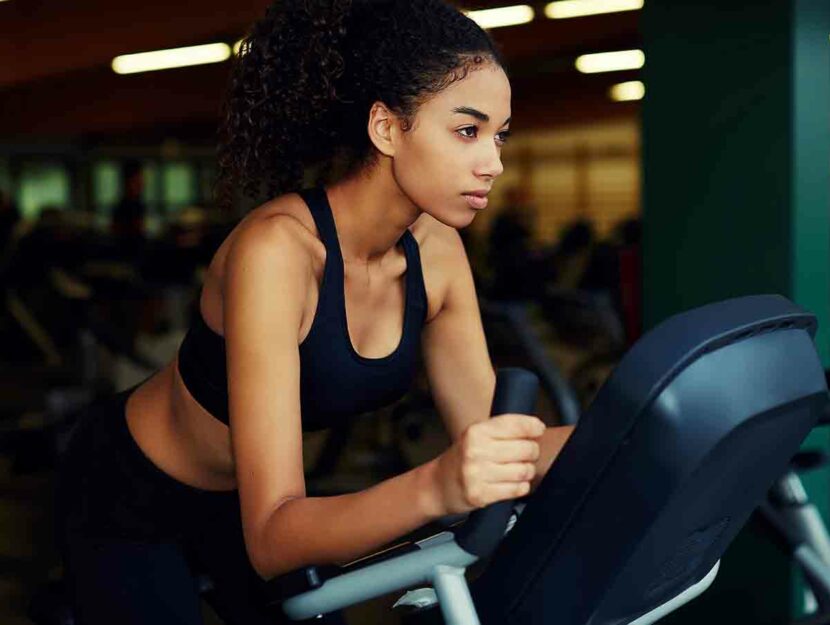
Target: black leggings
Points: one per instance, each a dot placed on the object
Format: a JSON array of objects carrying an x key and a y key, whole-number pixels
[{"x": 132, "y": 537}]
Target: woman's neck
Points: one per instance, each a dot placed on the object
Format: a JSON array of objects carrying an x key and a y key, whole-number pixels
[{"x": 371, "y": 214}]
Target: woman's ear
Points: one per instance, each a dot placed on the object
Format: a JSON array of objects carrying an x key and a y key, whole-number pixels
[{"x": 384, "y": 129}]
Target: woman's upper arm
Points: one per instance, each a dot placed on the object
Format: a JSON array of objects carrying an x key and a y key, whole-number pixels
[
  {"x": 266, "y": 279},
  {"x": 456, "y": 356}
]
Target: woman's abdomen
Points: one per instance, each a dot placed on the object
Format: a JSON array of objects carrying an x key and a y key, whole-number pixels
[{"x": 178, "y": 435}]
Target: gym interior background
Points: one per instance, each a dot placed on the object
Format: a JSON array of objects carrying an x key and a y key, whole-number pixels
[{"x": 694, "y": 166}]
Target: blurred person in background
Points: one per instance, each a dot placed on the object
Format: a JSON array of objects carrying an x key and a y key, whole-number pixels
[
  {"x": 569, "y": 259},
  {"x": 614, "y": 271},
  {"x": 9, "y": 218},
  {"x": 129, "y": 213},
  {"x": 512, "y": 261}
]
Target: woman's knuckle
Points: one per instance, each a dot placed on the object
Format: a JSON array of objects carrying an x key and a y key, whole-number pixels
[
  {"x": 474, "y": 497},
  {"x": 534, "y": 450},
  {"x": 469, "y": 448}
]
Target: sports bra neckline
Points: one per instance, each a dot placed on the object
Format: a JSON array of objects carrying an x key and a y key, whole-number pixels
[
  {"x": 316, "y": 199},
  {"x": 334, "y": 268}
]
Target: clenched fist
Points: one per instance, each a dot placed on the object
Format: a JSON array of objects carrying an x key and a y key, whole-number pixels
[{"x": 491, "y": 461}]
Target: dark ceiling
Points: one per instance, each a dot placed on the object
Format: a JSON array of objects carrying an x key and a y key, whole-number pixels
[{"x": 59, "y": 85}]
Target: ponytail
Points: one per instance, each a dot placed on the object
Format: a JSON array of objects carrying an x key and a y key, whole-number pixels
[
  {"x": 280, "y": 90},
  {"x": 308, "y": 72}
]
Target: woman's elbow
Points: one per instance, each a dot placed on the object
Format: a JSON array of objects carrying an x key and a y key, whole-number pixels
[
  {"x": 264, "y": 552},
  {"x": 267, "y": 566},
  {"x": 261, "y": 562}
]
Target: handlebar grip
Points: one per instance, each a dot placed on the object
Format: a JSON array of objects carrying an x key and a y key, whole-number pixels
[{"x": 516, "y": 392}]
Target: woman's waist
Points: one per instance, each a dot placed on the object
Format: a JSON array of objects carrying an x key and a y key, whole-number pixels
[{"x": 178, "y": 435}]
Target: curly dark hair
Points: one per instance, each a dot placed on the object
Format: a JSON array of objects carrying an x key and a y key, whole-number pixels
[{"x": 308, "y": 72}]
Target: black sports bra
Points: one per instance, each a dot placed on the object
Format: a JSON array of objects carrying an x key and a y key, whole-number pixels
[{"x": 335, "y": 381}]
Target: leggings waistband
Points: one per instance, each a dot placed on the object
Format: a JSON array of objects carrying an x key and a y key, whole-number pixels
[
  {"x": 128, "y": 445},
  {"x": 107, "y": 485}
]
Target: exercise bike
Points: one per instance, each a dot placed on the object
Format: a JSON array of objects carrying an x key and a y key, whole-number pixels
[{"x": 678, "y": 448}]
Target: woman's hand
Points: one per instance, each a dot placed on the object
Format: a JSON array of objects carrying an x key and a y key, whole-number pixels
[{"x": 491, "y": 461}]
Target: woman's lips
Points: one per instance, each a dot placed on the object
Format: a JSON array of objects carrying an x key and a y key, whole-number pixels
[{"x": 476, "y": 202}]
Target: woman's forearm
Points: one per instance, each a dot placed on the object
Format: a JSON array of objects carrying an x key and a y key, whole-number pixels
[{"x": 339, "y": 529}]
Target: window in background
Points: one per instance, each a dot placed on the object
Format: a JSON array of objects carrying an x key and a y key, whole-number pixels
[
  {"x": 582, "y": 171},
  {"x": 42, "y": 185},
  {"x": 152, "y": 186},
  {"x": 179, "y": 185},
  {"x": 152, "y": 196},
  {"x": 106, "y": 186}
]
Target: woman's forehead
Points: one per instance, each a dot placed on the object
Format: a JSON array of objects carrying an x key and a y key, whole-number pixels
[{"x": 484, "y": 94}]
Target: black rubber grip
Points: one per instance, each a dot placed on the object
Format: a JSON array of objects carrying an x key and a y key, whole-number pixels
[{"x": 516, "y": 392}]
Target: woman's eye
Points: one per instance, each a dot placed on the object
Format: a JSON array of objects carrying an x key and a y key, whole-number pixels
[{"x": 500, "y": 137}]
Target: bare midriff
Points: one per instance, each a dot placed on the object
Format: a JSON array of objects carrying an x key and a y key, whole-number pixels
[{"x": 179, "y": 436}]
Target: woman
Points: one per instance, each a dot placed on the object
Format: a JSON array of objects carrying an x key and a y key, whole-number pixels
[{"x": 312, "y": 311}]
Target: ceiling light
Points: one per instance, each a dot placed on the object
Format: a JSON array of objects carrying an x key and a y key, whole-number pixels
[
  {"x": 238, "y": 46},
  {"x": 610, "y": 61},
  {"x": 504, "y": 16},
  {"x": 628, "y": 91},
  {"x": 167, "y": 59},
  {"x": 578, "y": 8}
]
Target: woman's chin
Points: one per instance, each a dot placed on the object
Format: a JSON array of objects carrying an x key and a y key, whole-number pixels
[
  {"x": 453, "y": 214},
  {"x": 457, "y": 219}
]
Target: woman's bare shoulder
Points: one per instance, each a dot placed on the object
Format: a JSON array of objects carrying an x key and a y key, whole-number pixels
[
  {"x": 283, "y": 214},
  {"x": 279, "y": 222}
]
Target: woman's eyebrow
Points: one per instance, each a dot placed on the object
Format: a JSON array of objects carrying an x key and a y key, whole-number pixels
[{"x": 483, "y": 117}]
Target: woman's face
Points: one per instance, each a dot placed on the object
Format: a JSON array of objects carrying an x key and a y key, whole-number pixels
[{"x": 454, "y": 146}]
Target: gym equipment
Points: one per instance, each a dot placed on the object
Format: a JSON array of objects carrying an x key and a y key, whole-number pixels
[
  {"x": 680, "y": 445},
  {"x": 678, "y": 448},
  {"x": 509, "y": 321},
  {"x": 794, "y": 524},
  {"x": 36, "y": 418},
  {"x": 790, "y": 519}
]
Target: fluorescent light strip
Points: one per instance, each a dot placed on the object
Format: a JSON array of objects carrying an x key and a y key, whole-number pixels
[
  {"x": 610, "y": 61},
  {"x": 579, "y": 8},
  {"x": 503, "y": 16},
  {"x": 628, "y": 91},
  {"x": 167, "y": 59}
]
